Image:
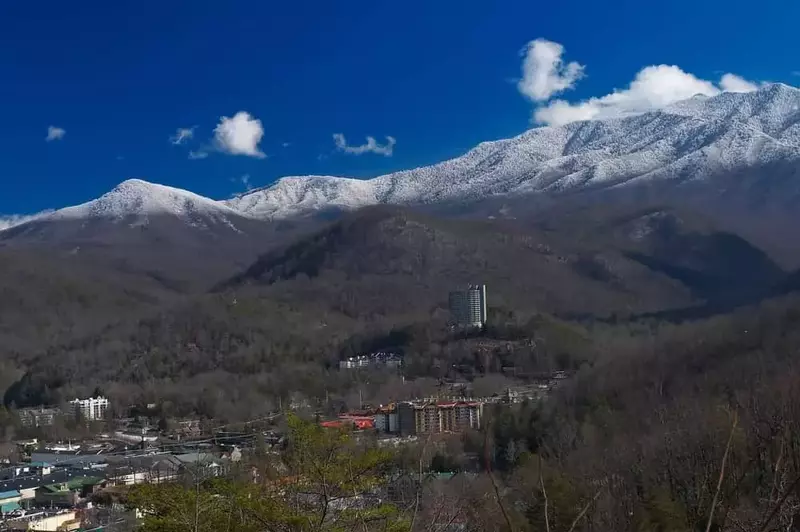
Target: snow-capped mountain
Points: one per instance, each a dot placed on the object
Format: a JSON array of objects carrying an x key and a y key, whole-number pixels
[
  {"x": 689, "y": 141},
  {"x": 178, "y": 237},
  {"x": 735, "y": 156},
  {"x": 135, "y": 201}
]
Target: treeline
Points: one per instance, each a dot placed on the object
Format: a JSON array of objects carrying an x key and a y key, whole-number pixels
[{"x": 692, "y": 427}]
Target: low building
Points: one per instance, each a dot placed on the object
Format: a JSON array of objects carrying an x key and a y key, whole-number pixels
[
  {"x": 9, "y": 502},
  {"x": 150, "y": 469},
  {"x": 39, "y": 416},
  {"x": 203, "y": 464},
  {"x": 25, "y": 470},
  {"x": 67, "y": 494},
  {"x": 373, "y": 360},
  {"x": 136, "y": 437},
  {"x": 69, "y": 456},
  {"x": 351, "y": 421},
  {"x": 129, "y": 476},
  {"x": 387, "y": 359},
  {"x": 186, "y": 428},
  {"x": 47, "y": 522},
  {"x": 359, "y": 422},
  {"x": 28, "y": 482},
  {"x": 354, "y": 362}
]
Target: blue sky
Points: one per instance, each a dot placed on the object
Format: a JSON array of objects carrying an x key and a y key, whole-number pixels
[{"x": 117, "y": 80}]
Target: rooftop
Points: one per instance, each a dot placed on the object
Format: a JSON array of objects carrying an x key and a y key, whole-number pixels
[
  {"x": 73, "y": 484},
  {"x": 34, "y": 481},
  {"x": 9, "y": 507}
]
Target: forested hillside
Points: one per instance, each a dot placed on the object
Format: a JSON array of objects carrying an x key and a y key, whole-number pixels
[
  {"x": 684, "y": 408},
  {"x": 377, "y": 277}
]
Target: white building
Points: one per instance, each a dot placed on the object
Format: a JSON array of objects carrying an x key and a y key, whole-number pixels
[
  {"x": 91, "y": 409},
  {"x": 361, "y": 361},
  {"x": 468, "y": 307},
  {"x": 377, "y": 359}
]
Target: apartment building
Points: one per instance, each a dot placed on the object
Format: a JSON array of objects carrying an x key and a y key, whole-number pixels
[
  {"x": 91, "y": 409},
  {"x": 434, "y": 417}
]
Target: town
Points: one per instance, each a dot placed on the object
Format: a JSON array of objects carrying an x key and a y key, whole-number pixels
[
  {"x": 71, "y": 485},
  {"x": 53, "y": 486}
]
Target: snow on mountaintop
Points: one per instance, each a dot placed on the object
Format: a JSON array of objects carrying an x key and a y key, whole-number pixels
[
  {"x": 139, "y": 199},
  {"x": 689, "y": 140}
]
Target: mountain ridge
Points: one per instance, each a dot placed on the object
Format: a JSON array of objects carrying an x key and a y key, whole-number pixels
[
  {"x": 686, "y": 143},
  {"x": 692, "y": 139}
]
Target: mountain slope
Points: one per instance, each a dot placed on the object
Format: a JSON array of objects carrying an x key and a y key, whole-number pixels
[
  {"x": 717, "y": 266},
  {"x": 594, "y": 261},
  {"x": 135, "y": 201},
  {"x": 165, "y": 233},
  {"x": 389, "y": 261},
  {"x": 49, "y": 299},
  {"x": 689, "y": 141}
]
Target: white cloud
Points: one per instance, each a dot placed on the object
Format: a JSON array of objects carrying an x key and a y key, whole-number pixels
[
  {"x": 734, "y": 83},
  {"x": 199, "y": 154},
  {"x": 286, "y": 144},
  {"x": 561, "y": 112},
  {"x": 182, "y": 134},
  {"x": 654, "y": 87},
  {"x": 371, "y": 146},
  {"x": 12, "y": 220},
  {"x": 544, "y": 72},
  {"x": 239, "y": 135},
  {"x": 55, "y": 133}
]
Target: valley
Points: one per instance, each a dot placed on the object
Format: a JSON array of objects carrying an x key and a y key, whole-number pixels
[{"x": 651, "y": 259}]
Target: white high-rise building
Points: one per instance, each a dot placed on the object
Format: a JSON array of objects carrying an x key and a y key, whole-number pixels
[
  {"x": 91, "y": 409},
  {"x": 468, "y": 307}
]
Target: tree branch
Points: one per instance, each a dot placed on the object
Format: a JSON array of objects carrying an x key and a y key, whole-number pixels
[
  {"x": 715, "y": 500},
  {"x": 780, "y": 504},
  {"x": 585, "y": 509},
  {"x": 544, "y": 494}
]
